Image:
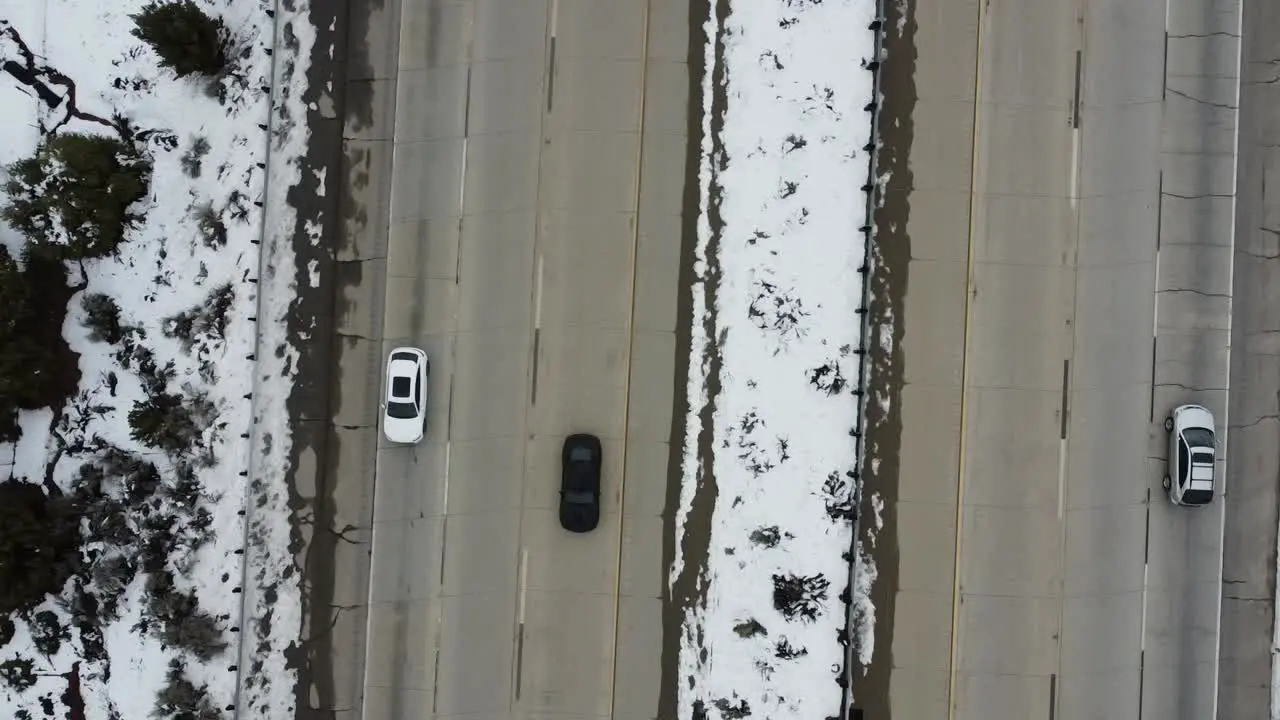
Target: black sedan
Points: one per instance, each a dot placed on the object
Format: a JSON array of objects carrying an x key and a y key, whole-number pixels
[{"x": 580, "y": 483}]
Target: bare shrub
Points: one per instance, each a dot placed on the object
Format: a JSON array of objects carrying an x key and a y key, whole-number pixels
[
  {"x": 18, "y": 673},
  {"x": 784, "y": 650},
  {"x": 750, "y": 628},
  {"x": 735, "y": 709},
  {"x": 829, "y": 378},
  {"x": 840, "y": 497},
  {"x": 182, "y": 623},
  {"x": 769, "y": 536},
  {"x": 799, "y": 596},
  {"x": 776, "y": 310},
  {"x": 193, "y": 158},
  {"x": 204, "y": 326},
  {"x": 213, "y": 231},
  {"x": 181, "y": 698},
  {"x": 48, "y": 633}
]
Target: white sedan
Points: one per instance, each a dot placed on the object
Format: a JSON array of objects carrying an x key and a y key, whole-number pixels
[
  {"x": 404, "y": 413},
  {"x": 1192, "y": 449}
]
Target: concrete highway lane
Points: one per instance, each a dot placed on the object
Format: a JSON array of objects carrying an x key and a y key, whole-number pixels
[
  {"x": 1068, "y": 286},
  {"x": 533, "y": 251},
  {"x": 1249, "y": 572}
]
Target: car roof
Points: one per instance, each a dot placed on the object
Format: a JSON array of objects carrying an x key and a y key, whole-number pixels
[{"x": 403, "y": 368}]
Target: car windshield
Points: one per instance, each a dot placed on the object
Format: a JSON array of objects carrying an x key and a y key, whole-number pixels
[
  {"x": 401, "y": 410},
  {"x": 580, "y": 454},
  {"x": 579, "y": 498},
  {"x": 1197, "y": 497},
  {"x": 1198, "y": 437}
]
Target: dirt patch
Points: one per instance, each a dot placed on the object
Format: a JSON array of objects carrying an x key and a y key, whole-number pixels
[
  {"x": 340, "y": 26},
  {"x": 684, "y": 592},
  {"x": 891, "y": 252}
]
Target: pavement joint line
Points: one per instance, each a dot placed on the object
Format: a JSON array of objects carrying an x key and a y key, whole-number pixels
[
  {"x": 1068, "y": 384},
  {"x": 631, "y": 341},
  {"x": 964, "y": 372},
  {"x": 1226, "y": 410}
]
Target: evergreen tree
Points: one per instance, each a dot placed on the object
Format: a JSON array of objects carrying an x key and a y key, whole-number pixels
[
  {"x": 160, "y": 421},
  {"x": 37, "y": 367},
  {"x": 188, "y": 41},
  {"x": 39, "y": 545},
  {"x": 74, "y": 198},
  {"x": 7, "y": 629}
]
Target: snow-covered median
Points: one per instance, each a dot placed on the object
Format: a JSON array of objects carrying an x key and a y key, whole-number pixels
[
  {"x": 182, "y": 358},
  {"x": 775, "y": 357}
]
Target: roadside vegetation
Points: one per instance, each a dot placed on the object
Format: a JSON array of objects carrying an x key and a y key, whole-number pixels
[{"x": 69, "y": 550}]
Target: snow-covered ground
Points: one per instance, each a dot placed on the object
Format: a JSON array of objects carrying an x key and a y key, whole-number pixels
[
  {"x": 779, "y": 249},
  {"x": 197, "y": 250}
]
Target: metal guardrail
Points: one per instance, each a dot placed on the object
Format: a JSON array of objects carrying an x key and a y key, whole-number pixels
[
  {"x": 248, "y": 597},
  {"x": 873, "y": 194}
]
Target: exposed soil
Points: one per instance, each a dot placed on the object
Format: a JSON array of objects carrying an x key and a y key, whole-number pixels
[
  {"x": 892, "y": 254},
  {"x": 341, "y": 26},
  {"x": 685, "y": 592}
]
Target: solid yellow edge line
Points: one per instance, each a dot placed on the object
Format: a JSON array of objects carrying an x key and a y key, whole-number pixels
[
  {"x": 964, "y": 372},
  {"x": 631, "y": 342}
]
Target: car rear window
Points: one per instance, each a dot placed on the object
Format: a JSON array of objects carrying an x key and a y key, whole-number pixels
[
  {"x": 580, "y": 454},
  {"x": 401, "y": 410}
]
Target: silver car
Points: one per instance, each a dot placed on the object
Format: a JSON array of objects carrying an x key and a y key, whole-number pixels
[
  {"x": 404, "y": 412},
  {"x": 1193, "y": 447}
]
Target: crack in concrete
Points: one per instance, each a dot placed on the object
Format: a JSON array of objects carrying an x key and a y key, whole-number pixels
[
  {"x": 1202, "y": 101},
  {"x": 1193, "y": 291},
  {"x": 1216, "y": 33},
  {"x": 1189, "y": 388},
  {"x": 1260, "y": 255},
  {"x": 1197, "y": 196},
  {"x": 342, "y": 534},
  {"x": 1257, "y": 421}
]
